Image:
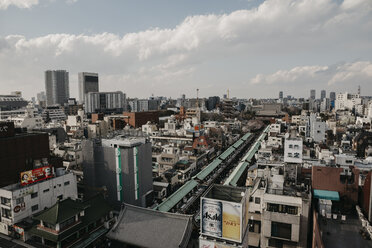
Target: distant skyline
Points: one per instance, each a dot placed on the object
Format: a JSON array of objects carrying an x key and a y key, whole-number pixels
[{"x": 168, "y": 48}]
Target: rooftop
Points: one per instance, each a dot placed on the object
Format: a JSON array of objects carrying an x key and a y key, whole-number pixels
[
  {"x": 337, "y": 233},
  {"x": 149, "y": 228}
]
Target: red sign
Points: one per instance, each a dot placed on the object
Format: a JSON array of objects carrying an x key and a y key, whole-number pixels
[{"x": 36, "y": 175}]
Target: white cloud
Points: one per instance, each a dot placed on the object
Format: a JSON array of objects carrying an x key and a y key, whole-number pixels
[
  {"x": 356, "y": 73},
  {"x": 23, "y": 4},
  {"x": 169, "y": 60}
]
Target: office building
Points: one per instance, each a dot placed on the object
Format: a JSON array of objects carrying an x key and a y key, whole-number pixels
[
  {"x": 332, "y": 96},
  {"x": 105, "y": 102},
  {"x": 312, "y": 94},
  {"x": 212, "y": 102},
  {"x": 280, "y": 94},
  {"x": 144, "y": 105},
  {"x": 88, "y": 82},
  {"x": 322, "y": 94},
  {"x": 123, "y": 166},
  {"x": 56, "y": 87}
]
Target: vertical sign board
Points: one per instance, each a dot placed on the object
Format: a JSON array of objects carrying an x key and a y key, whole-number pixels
[
  {"x": 135, "y": 164},
  {"x": 221, "y": 219},
  {"x": 119, "y": 179}
]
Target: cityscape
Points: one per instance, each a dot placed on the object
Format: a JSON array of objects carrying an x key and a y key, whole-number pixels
[{"x": 189, "y": 128}]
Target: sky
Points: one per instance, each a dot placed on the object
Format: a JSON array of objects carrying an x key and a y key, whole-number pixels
[{"x": 253, "y": 48}]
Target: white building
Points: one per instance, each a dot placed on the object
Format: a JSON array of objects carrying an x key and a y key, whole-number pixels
[
  {"x": 346, "y": 101},
  {"x": 317, "y": 128},
  {"x": 20, "y": 202},
  {"x": 293, "y": 150}
]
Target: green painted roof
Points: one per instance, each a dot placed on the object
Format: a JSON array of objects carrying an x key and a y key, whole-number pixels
[
  {"x": 61, "y": 211},
  {"x": 177, "y": 196},
  {"x": 236, "y": 174},
  {"x": 207, "y": 170},
  {"x": 238, "y": 143},
  {"x": 227, "y": 153},
  {"x": 246, "y": 136},
  {"x": 326, "y": 195}
]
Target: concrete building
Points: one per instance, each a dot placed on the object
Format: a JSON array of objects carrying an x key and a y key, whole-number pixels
[
  {"x": 144, "y": 105},
  {"x": 293, "y": 150},
  {"x": 56, "y": 87},
  {"x": 122, "y": 165},
  {"x": 106, "y": 102},
  {"x": 20, "y": 202},
  {"x": 332, "y": 96},
  {"x": 346, "y": 101},
  {"x": 312, "y": 94},
  {"x": 317, "y": 128},
  {"x": 88, "y": 82},
  {"x": 19, "y": 151},
  {"x": 322, "y": 94}
]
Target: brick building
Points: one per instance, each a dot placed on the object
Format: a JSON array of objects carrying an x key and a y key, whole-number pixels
[
  {"x": 137, "y": 119},
  {"x": 344, "y": 180}
]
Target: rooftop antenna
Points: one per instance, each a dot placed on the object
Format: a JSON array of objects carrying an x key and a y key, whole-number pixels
[{"x": 197, "y": 98}]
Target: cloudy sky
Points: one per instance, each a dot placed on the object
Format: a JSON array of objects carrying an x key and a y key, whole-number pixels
[{"x": 167, "y": 47}]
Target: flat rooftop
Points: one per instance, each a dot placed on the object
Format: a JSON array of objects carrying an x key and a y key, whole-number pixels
[{"x": 337, "y": 233}]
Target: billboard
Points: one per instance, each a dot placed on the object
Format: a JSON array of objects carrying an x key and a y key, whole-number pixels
[
  {"x": 36, "y": 175},
  {"x": 221, "y": 219}
]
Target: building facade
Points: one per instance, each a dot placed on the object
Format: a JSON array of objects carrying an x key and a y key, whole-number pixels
[
  {"x": 20, "y": 202},
  {"x": 88, "y": 82},
  {"x": 123, "y": 166},
  {"x": 105, "y": 102},
  {"x": 57, "y": 87}
]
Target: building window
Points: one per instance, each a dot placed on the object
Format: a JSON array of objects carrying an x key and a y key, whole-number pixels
[
  {"x": 60, "y": 197},
  {"x": 33, "y": 195},
  {"x": 34, "y": 208},
  {"x": 5, "y": 201},
  {"x": 289, "y": 154},
  {"x": 67, "y": 183},
  {"x": 20, "y": 200},
  {"x": 6, "y": 213},
  {"x": 296, "y": 155},
  {"x": 290, "y": 146},
  {"x": 281, "y": 230},
  {"x": 46, "y": 190},
  {"x": 280, "y": 208},
  {"x": 257, "y": 200}
]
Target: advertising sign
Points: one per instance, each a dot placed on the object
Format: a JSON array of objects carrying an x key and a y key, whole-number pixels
[
  {"x": 221, "y": 219},
  {"x": 36, "y": 175}
]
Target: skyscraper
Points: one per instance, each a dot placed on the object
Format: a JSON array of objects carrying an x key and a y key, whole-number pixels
[
  {"x": 88, "y": 82},
  {"x": 280, "y": 94},
  {"x": 56, "y": 87},
  {"x": 322, "y": 94},
  {"x": 312, "y": 94},
  {"x": 332, "y": 96}
]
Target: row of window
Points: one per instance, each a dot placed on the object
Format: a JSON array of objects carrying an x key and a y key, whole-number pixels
[
  {"x": 294, "y": 146},
  {"x": 280, "y": 208},
  {"x": 293, "y": 155}
]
